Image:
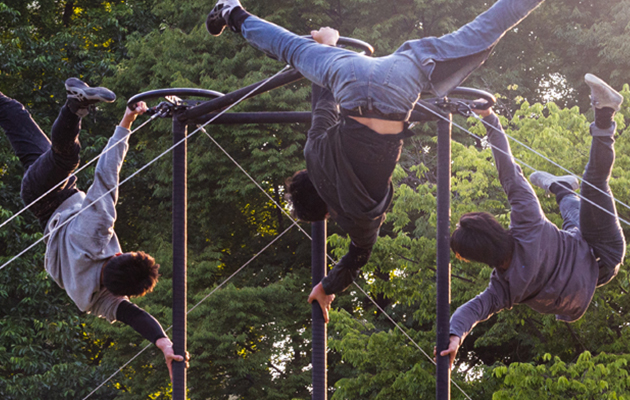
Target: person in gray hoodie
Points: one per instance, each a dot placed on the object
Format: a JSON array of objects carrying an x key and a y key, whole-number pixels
[
  {"x": 83, "y": 255},
  {"x": 553, "y": 271}
]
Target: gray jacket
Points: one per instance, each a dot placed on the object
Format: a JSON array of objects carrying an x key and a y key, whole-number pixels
[
  {"x": 553, "y": 271},
  {"x": 77, "y": 249}
]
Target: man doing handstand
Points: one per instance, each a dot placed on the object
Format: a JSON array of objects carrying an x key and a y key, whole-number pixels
[
  {"x": 553, "y": 271},
  {"x": 376, "y": 96},
  {"x": 83, "y": 255}
]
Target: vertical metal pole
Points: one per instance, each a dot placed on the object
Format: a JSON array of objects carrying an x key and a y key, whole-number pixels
[
  {"x": 443, "y": 372},
  {"x": 179, "y": 256},
  {"x": 318, "y": 268}
]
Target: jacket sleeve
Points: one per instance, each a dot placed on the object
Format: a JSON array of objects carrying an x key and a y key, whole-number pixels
[
  {"x": 346, "y": 270},
  {"x": 141, "y": 321},
  {"x": 97, "y": 220},
  {"x": 492, "y": 300},
  {"x": 525, "y": 206}
]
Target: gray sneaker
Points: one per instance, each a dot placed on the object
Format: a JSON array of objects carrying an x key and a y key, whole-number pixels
[
  {"x": 82, "y": 97},
  {"x": 218, "y": 18},
  {"x": 77, "y": 89},
  {"x": 544, "y": 179},
  {"x": 602, "y": 95}
]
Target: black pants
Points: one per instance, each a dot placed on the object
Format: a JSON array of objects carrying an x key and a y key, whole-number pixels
[
  {"x": 600, "y": 228},
  {"x": 45, "y": 163}
]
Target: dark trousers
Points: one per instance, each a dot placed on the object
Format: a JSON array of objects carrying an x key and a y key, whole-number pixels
[
  {"x": 45, "y": 163},
  {"x": 600, "y": 229}
]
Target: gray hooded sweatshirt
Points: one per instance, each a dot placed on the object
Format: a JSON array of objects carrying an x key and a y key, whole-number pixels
[
  {"x": 78, "y": 248},
  {"x": 553, "y": 271}
]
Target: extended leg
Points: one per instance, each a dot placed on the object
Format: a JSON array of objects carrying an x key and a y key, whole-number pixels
[
  {"x": 449, "y": 59},
  {"x": 54, "y": 166},
  {"x": 563, "y": 187},
  {"x": 26, "y": 138},
  {"x": 312, "y": 59},
  {"x": 598, "y": 216},
  {"x": 62, "y": 157}
]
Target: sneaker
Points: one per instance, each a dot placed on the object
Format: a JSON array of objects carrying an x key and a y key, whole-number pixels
[
  {"x": 218, "y": 18},
  {"x": 602, "y": 95},
  {"x": 77, "y": 89},
  {"x": 544, "y": 179}
]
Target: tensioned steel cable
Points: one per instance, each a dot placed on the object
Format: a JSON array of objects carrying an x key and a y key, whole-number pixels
[
  {"x": 142, "y": 169},
  {"x": 196, "y": 305},
  {"x": 333, "y": 261},
  {"x": 523, "y": 162},
  {"x": 554, "y": 163},
  {"x": 77, "y": 171}
]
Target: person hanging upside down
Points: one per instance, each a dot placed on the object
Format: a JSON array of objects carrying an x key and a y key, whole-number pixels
[
  {"x": 83, "y": 255},
  {"x": 376, "y": 96},
  {"x": 553, "y": 271}
]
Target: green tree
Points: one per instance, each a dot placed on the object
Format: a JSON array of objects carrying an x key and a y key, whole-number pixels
[{"x": 250, "y": 339}]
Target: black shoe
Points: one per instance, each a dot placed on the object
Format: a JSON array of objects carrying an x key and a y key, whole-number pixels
[{"x": 218, "y": 18}]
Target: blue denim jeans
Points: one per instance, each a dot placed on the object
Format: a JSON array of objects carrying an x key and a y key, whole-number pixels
[
  {"x": 45, "y": 163},
  {"x": 600, "y": 229},
  {"x": 391, "y": 84}
]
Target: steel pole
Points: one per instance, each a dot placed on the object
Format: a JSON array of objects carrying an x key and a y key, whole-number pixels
[
  {"x": 443, "y": 372},
  {"x": 179, "y": 209},
  {"x": 318, "y": 268}
]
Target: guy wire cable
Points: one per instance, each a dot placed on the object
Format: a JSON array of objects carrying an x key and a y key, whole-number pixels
[
  {"x": 142, "y": 169},
  {"x": 523, "y": 163},
  {"x": 334, "y": 262},
  {"x": 552, "y": 162},
  {"x": 572, "y": 174},
  {"x": 77, "y": 171},
  {"x": 196, "y": 305}
]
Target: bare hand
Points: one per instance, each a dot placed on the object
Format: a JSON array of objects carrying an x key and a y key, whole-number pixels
[
  {"x": 166, "y": 346},
  {"x": 324, "y": 300},
  {"x": 483, "y": 113},
  {"x": 326, "y": 35},
  {"x": 453, "y": 346},
  {"x": 131, "y": 115}
]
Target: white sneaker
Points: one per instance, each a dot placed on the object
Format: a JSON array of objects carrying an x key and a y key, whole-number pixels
[
  {"x": 602, "y": 95},
  {"x": 544, "y": 179}
]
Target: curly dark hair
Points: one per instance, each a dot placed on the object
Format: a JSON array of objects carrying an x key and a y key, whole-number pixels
[
  {"x": 480, "y": 237},
  {"x": 130, "y": 274},
  {"x": 307, "y": 204}
]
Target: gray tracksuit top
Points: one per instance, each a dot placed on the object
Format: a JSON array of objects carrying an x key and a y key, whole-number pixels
[
  {"x": 553, "y": 271},
  {"x": 77, "y": 250}
]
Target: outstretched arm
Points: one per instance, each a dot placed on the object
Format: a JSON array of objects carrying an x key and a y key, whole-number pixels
[
  {"x": 97, "y": 221},
  {"x": 491, "y": 301},
  {"x": 150, "y": 329},
  {"x": 340, "y": 277},
  {"x": 131, "y": 114},
  {"x": 523, "y": 201}
]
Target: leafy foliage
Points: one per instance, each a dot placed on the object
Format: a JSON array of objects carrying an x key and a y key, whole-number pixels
[{"x": 251, "y": 338}]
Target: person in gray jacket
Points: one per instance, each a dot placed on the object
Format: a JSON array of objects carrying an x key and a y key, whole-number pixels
[
  {"x": 553, "y": 271},
  {"x": 83, "y": 255}
]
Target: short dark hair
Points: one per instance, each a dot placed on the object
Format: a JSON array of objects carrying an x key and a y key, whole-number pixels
[
  {"x": 130, "y": 274},
  {"x": 480, "y": 237},
  {"x": 307, "y": 204}
]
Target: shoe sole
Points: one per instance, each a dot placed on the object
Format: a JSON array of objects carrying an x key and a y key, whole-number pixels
[
  {"x": 215, "y": 24},
  {"x": 91, "y": 93},
  {"x": 613, "y": 99}
]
